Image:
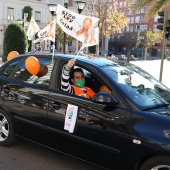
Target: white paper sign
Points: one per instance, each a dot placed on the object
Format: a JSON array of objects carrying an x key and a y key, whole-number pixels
[
  {"x": 75, "y": 25},
  {"x": 70, "y": 118}
]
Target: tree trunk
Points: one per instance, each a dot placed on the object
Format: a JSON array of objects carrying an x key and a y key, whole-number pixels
[{"x": 145, "y": 57}]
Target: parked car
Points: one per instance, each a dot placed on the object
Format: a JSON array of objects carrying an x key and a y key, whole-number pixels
[
  {"x": 133, "y": 58},
  {"x": 110, "y": 53},
  {"x": 127, "y": 129},
  {"x": 121, "y": 57}
]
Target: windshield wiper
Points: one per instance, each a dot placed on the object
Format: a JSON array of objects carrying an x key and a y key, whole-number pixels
[{"x": 156, "y": 106}]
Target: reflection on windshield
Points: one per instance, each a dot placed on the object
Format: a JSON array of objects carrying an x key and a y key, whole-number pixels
[{"x": 142, "y": 88}]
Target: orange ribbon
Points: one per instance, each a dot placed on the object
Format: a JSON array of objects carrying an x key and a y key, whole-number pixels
[
  {"x": 86, "y": 27},
  {"x": 49, "y": 33},
  {"x": 92, "y": 37}
]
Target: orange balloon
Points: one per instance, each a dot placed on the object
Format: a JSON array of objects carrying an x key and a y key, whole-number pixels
[
  {"x": 12, "y": 54},
  {"x": 42, "y": 71},
  {"x": 32, "y": 65}
]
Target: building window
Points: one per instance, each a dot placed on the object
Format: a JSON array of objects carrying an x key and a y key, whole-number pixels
[
  {"x": 137, "y": 19},
  {"x": 124, "y": 3},
  {"x": 70, "y": 43},
  {"x": 129, "y": 12},
  {"x": 145, "y": 9},
  {"x": 143, "y": 28},
  {"x": 137, "y": 28},
  {"x": 10, "y": 13},
  {"x": 37, "y": 16},
  {"x": 120, "y": 4},
  {"x": 142, "y": 19},
  {"x": 127, "y": 29},
  {"x": 131, "y": 28},
  {"x": 132, "y": 20}
]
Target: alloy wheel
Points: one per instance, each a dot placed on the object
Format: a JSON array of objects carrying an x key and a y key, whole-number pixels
[{"x": 4, "y": 128}]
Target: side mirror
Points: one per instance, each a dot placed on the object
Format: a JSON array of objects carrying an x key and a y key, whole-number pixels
[{"x": 105, "y": 98}]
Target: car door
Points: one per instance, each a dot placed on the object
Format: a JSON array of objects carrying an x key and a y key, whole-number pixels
[
  {"x": 101, "y": 133},
  {"x": 25, "y": 98}
]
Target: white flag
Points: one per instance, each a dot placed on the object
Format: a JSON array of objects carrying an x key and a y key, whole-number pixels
[
  {"x": 47, "y": 33},
  {"x": 75, "y": 25},
  {"x": 70, "y": 118},
  {"x": 93, "y": 38},
  {"x": 33, "y": 28}
]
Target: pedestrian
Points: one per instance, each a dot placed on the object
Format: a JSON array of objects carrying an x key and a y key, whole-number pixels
[
  {"x": 39, "y": 50},
  {"x": 53, "y": 48}
]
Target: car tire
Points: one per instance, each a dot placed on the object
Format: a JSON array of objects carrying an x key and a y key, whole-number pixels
[
  {"x": 7, "y": 136},
  {"x": 157, "y": 163}
]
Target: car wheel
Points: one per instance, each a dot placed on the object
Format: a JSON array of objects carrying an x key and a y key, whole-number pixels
[
  {"x": 157, "y": 163},
  {"x": 6, "y": 130}
]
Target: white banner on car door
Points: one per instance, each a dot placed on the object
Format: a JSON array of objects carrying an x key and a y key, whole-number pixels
[{"x": 70, "y": 118}]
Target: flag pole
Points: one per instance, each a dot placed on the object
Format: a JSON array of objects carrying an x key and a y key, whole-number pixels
[
  {"x": 53, "y": 54},
  {"x": 78, "y": 52}
]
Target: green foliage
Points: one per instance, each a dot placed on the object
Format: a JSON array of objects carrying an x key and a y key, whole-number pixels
[
  {"x": 92, "y": 49},
  {"x": 15, "y": 39},
  {"x": 27, "y": 9},
  {"x": 29, "y": 45},
  {"x": 154, "y": 6}
]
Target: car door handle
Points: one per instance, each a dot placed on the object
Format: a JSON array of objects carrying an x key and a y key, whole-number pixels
[
  {"x": 6, "y": 89},
  {"x": 56, "y": 105}
]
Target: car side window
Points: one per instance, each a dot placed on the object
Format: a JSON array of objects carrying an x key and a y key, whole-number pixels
[
  {"x": 42, "y": 78},
  {"x": 8, "y": 69},
  {"x": 92, "y": 81}
]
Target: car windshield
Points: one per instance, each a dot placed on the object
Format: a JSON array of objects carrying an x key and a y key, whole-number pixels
[{"x": 142, "y": 88}]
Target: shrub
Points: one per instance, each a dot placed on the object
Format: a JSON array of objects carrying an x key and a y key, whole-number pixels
[{"x": 15, "y": 39}]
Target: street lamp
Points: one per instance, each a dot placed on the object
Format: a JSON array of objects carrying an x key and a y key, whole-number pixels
[
  {"x": 64, "y": 43},
  {"x": 80, "y": 6},
  {"x": 52, "y": 8}
]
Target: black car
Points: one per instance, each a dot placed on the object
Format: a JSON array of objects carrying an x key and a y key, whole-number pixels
[{"x": 127, "y": 129}]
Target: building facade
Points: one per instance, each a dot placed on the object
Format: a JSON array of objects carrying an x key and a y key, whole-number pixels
[
  {"x": 12, "y": 12},
  {"x": 129, "y": 40}
]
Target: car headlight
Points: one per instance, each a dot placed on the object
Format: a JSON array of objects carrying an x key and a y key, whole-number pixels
[{"x": 167, "y": 133}]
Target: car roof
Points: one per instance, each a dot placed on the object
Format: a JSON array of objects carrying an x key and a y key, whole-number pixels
[{"x": 99, "y": 61}]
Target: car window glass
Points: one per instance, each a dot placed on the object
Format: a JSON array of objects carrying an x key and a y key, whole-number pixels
[
  {"x": 138, "y": 85},
  {"x": 8, "y": 69},
  {"x": 42, "y": 78}
]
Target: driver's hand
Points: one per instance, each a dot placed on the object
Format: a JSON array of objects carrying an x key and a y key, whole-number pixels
[{"x": 70, "y": 64}]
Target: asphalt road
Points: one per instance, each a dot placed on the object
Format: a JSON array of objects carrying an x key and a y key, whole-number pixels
[{"x": 25, "y": 155}]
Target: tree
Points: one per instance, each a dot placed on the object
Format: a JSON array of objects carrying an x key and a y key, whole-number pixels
[
  {"x": 111, "y": 20},
  {"x": 15, "y": 39},
  {"x": 155, "y": 6},
  {"x": 151, "y": 38},
  {"x": 28, "y": 9}
]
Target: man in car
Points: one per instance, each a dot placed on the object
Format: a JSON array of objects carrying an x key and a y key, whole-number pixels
[{"x": 78, "y": 81}]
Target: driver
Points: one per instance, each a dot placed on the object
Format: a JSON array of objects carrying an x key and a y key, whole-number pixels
[{"x": 78, "y": 81}]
